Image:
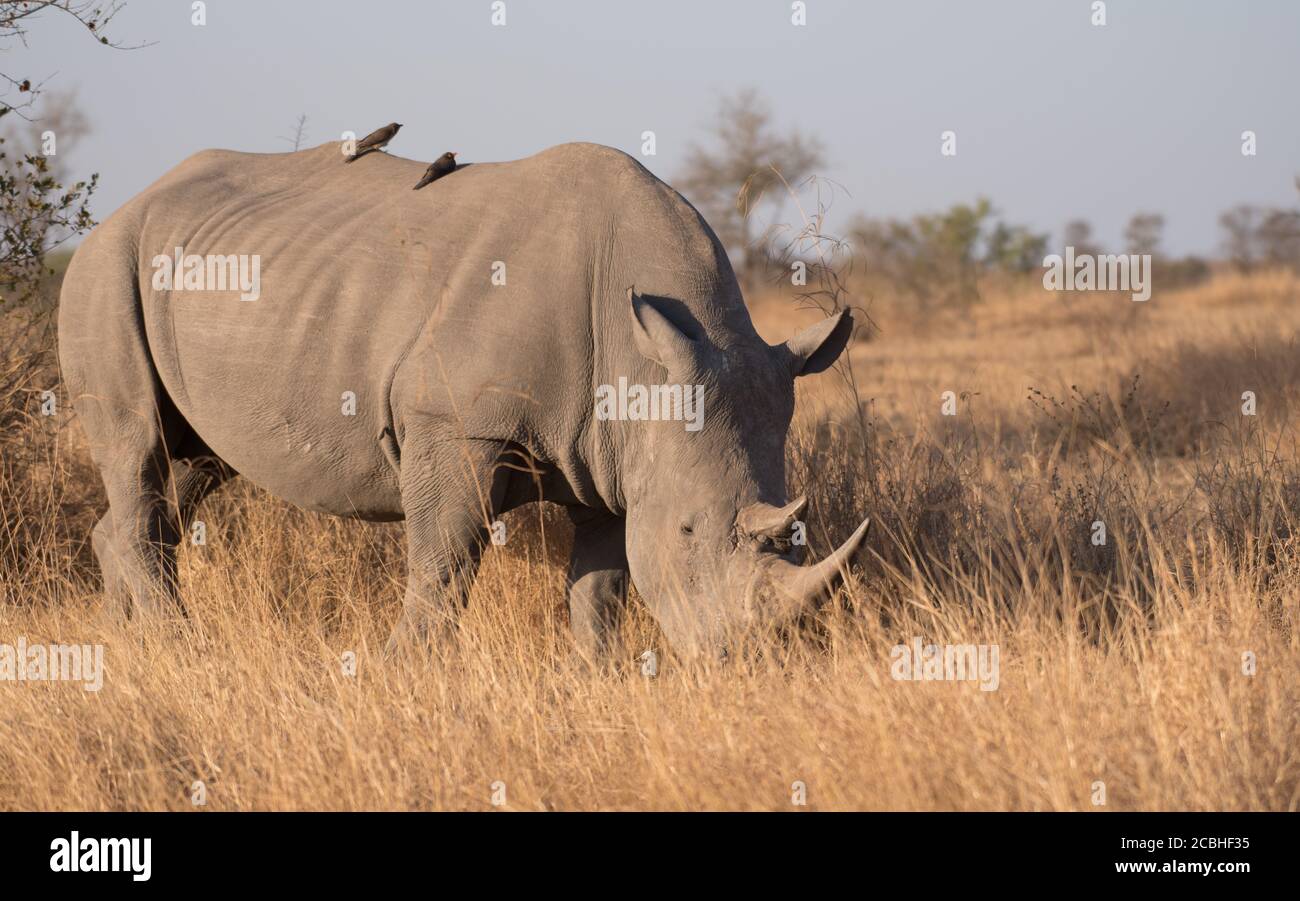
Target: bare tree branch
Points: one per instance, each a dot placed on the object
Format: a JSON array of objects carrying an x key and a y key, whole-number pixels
[
  {"x": 16, "y": 18},
  {"x": 299, "y": 133}
]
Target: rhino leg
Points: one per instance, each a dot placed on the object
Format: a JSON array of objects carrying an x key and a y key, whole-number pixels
[
  {"x": 597, "y": 580},
  {"x": 451, "y": 492},
  {"x": 130, "y": 421},
  {"x": 138, "y": 551},
  {"x": 102, "y": 542},
  {"x": 191, "y": 480}
]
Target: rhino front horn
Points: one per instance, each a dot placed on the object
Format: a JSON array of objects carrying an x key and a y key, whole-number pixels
[{"x": 801, "y": 588}]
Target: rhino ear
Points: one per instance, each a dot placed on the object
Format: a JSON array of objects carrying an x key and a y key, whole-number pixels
[
  {"x": 657, "y": 337},
  {"x": 818, "y": 346}
]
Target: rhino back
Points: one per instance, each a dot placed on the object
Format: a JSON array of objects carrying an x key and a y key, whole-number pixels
[{"x": 371, "y": 288}]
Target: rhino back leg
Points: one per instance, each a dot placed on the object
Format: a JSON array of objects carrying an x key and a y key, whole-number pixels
[
  {"x": 597, "y": 580},
  {"x": 452, "y": 490},
  {"x": 137, "y": 551},
  {"x": 129, "y": 420},
  {"x": 190, "y": 483},
  {"x": 192, "y": 478}
]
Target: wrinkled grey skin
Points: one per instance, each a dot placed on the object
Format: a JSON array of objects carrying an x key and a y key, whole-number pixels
[{"x": 471, "y": 398}]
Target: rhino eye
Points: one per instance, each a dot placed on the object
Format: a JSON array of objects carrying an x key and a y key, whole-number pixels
[{"x": 688, "y": 528}]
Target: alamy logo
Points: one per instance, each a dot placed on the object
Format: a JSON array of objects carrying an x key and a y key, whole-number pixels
[
  {"x": 102, "y": 855},
  {"x": 946, "y": 663},
  {"x": 636, "y": 403},
  {"x": 240, "y": 272},
  {"x": 1099, "y": 272},
  {"x": 22, "y": 662}
]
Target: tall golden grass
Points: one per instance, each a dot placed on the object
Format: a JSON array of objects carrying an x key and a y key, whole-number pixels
[{"x": 1121, "y": 664}]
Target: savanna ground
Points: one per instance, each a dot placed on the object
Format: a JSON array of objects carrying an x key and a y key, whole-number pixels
[{"x": 1124, "y": 663}]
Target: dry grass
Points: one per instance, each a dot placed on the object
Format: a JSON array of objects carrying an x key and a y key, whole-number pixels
[{"x": 1120, "y": 664}]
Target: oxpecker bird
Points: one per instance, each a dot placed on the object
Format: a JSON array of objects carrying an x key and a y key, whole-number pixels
[
  {"x": 437, "y": 169},
  {"x": 376, "y": 140}
]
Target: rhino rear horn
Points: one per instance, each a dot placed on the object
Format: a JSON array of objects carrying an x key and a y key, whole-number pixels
[{"x": 774, "y": 522}]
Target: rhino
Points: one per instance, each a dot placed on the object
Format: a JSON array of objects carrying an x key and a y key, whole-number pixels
[{"x": 362, "y": 350}]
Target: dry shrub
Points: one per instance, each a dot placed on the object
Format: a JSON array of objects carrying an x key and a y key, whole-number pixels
[
  {"x": 47, "y": 498},
  {"x": 1120, "y": 663}
]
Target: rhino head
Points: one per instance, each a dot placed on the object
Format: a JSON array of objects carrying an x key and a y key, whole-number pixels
[{"x": 709, "y": 524}]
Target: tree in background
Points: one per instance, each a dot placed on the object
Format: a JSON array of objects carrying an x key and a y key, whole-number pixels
[
  {"x": 1255, "y": 236},
  {"x": 1143, "y": 235},
  {"x": 1078, "y": 234},
  {"x": 38, "y": 208},
  {"x": 728, "y": 180},
  {"x": 1143, "y": 232},
  {"x": 939, "y": 258},
  {"x": 1014, "y": 248},
  {"x": 1279, "y": 238},
  {"x": 1240, "y": 235}
]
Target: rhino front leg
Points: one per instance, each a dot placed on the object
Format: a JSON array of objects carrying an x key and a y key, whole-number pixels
[
  {"x": 597, "y": 579},
  {"x": 451, "y": 492}
]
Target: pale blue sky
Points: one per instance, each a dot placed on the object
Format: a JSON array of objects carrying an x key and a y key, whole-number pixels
[{"x": 1055, "y": 118}]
